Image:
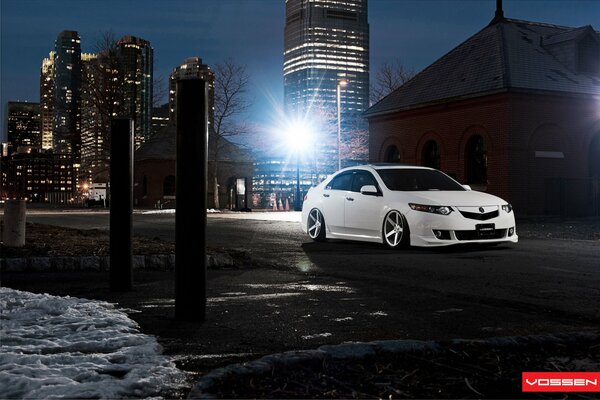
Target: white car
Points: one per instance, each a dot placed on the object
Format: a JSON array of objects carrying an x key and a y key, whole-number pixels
[{"x": 401, "y": 205}]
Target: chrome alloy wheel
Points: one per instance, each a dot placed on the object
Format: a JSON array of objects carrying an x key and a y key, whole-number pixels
[
  {"x": 316, "y": 225},
  {"x": 394, "y": 229}
]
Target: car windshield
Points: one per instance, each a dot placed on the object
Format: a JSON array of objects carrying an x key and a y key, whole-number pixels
[{"x": 407, "y": 179}]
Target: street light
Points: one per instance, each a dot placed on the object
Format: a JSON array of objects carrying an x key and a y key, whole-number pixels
[
  {"x": 340, "y": 83},
  {"x": 298, "y": 141}
]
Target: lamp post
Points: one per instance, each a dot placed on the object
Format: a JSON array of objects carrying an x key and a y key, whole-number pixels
[
  {"x": 340, "y": 83},
  {"x": 297, "y": 206},
  {"x": 298, "y": 141}
]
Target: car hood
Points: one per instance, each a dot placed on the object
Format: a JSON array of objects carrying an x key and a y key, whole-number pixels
[{"x": 467, "y": 198}]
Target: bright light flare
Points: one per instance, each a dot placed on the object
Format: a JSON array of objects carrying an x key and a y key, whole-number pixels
[{"x": 298, "y": 138}]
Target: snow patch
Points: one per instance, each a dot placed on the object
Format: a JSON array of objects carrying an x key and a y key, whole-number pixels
[{"x": 77, "y": 348}]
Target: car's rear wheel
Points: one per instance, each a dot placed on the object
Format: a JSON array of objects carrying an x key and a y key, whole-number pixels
[
  {"x": 316, "y": 225},
  {"x": 395, "y": 230}
]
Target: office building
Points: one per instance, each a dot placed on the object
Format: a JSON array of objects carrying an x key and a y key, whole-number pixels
[
  {"x": 67, "y": 85},
  {"x": 137, "y": 61},
  {"x": 326, "y": 47},
  {"x": 191, "y": 68},
  {"x": 23, "y": 125},
  {"x": 47, "y": 100}
]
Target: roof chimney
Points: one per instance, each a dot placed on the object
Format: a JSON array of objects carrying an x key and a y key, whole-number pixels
[{"x": 499, "y": 16}]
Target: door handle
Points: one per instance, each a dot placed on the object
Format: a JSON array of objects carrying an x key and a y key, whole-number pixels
[
  {"x": 349, "y": 199},
  {"x": 325, "y": 195}
]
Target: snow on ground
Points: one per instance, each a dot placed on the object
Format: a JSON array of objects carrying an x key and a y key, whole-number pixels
[
  {"x": 172, "y": 211},
  {"x": 76, "y": 348}
]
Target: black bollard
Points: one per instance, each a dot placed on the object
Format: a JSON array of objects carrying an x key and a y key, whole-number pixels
[
  {"x": 191, "y": 184},
  {"x": 121, "y": 204}
]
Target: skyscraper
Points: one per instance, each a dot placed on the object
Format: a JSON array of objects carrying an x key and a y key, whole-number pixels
[
  {"x": 326, "y": 42},
  {"x": 137, "y": 60},
  {"x": 47, "y": 100},
  {"x": 192, "y": 67},
  {"x": 67, "y": 85}
]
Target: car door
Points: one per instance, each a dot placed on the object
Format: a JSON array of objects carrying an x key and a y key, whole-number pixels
[
  {"x": 334, "y": 197},
  {"x": 363, "y": 211}
]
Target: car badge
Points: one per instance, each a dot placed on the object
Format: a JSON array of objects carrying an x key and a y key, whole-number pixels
[{"x": 481, "y": 210}]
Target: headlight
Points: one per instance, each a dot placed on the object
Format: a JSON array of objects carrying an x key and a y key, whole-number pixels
[
  {"x": 444, "y": 210},
  {"x": 507, "y": 208}
]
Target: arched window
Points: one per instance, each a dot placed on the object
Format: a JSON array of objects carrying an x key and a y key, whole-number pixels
[
  {"x": 145, "y": 186},
  {"x": 594, "y": 157},
  {"x": 476, "y": 161},
  {"x": 169, "y": 186},
  {"x": 431, "y": 156},
  {"x": 392, "y": 154}
]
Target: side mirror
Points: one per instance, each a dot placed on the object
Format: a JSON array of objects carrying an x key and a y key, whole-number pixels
[
  {"x": 467, "y": 187},
  {"x": 369, "y": 190}
]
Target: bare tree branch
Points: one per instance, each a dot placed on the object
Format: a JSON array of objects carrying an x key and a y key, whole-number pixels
[
  {"x": 389, "y": 77},
  {"x": 231, "y": 102}
]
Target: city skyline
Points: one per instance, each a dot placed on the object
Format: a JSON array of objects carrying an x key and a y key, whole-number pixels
[{"x": 178, "y": 30}]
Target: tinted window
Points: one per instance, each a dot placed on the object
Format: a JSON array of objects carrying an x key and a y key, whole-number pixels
[
  {"x": 361, "y": 179},
  {"x": 341, "y": 182},
  {"x": 417, "y": 179}
]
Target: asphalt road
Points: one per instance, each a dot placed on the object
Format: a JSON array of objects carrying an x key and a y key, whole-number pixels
[{"x": 535, "y": 286}]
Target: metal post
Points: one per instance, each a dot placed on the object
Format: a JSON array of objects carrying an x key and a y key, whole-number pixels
[
  {"x": 190, "y": 219},
  {"x": 121, "y": 204},
  {"x": 339, "y": 128},
  {"x": 297, "y": 206}
]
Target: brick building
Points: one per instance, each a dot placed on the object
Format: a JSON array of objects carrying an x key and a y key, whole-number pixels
[
  {"x": 155, "y": 173},
  {"x": 514, "y": 110}
]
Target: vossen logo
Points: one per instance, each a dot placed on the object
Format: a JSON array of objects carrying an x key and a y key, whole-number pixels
[{"x": 561, "y": 382}]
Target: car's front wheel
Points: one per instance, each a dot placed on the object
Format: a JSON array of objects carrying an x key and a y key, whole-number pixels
[
  {"x": 316, "y": 225},
  {"x": 395, "y": 230}
]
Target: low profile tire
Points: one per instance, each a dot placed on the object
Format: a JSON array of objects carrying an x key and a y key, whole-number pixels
[
  {"x": 395, "y": 230},
  {"x": 316, "y": 225}
]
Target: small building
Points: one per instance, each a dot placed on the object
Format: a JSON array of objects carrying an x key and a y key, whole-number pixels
[
  {"x": 514, "y": 110},
  {"x": 155, "y": 173}
]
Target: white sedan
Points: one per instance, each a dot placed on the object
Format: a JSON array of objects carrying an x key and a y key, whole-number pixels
[{"x": 404, "y": 205}]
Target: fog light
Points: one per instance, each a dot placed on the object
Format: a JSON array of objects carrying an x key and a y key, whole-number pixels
[
  {"x": 511, "y": 231},
  {"x": 441, "y": 234}
]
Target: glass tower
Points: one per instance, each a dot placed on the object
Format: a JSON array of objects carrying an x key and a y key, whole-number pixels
[
  {"x": 67, "y": 85},
  {"x": 326, "y": 42},
  {"x": 137, "y": 61}
]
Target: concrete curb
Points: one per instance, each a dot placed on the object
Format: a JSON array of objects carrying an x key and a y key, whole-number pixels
[
  {"x": 162, "y": 262},
  {"x": 359, "y": 351}
]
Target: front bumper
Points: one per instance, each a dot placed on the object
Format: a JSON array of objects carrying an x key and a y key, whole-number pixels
[{"x": 457, "y": 229}]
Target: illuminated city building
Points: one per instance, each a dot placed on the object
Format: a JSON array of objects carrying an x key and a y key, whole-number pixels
[
  {"x": 23, "y": 125},
  {"x": 67, "y": 85},
  {"x": 47, "y": 100},
  {"x": 137, "y": 61},
  {"x": 326, "y": 45},
  {"x": 94, "y": 123},
  {"x": 192, "y": 68}
]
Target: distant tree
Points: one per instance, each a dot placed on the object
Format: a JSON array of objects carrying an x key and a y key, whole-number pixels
[
  {"x": 102, "y": 99},
  {"x": 231, "y": 103},
  {"x": 389, "y": 77}
]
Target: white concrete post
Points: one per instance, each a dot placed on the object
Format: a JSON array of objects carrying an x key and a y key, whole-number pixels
[{"x": 13, "y": 233}]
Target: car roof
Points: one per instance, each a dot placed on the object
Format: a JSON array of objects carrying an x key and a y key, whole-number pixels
[{"x": 380, "y": 166}]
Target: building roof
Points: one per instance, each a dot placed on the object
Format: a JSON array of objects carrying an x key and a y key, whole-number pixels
[
  {"x": 508, "y": 54},
  {"x": 163, "y": 146}
]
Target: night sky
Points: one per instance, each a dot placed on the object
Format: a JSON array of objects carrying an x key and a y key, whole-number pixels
[{"x": 250, "y": 32}]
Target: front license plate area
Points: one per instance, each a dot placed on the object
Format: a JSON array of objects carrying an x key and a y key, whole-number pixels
[{"x": 485, "y": 230}]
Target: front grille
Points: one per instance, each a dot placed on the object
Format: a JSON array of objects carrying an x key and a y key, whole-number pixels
[
  {"x": 480, "y": 217},
  {"x": 472, "y": 235}
]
